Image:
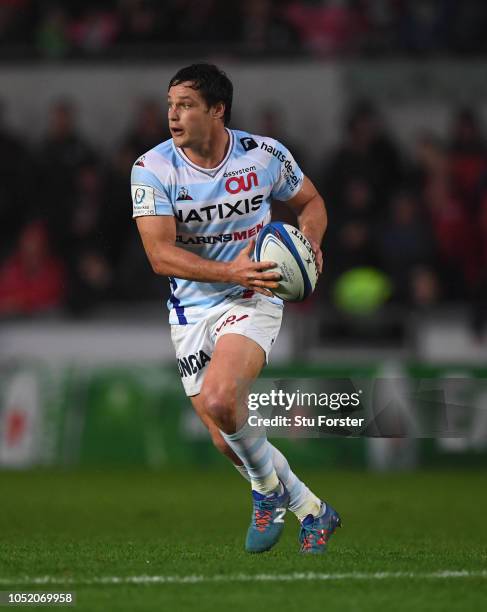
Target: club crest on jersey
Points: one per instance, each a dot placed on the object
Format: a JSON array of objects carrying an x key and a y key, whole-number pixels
[
  {"x": 183, "y": 194},
  {"x": 192, "y": 364}
]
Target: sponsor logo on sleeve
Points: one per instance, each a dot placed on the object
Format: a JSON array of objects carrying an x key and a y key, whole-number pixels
[
  {"x": 287, "y": 169},
  {"x": 248, "y": 143},
  {"x": 143, "y": 200}
]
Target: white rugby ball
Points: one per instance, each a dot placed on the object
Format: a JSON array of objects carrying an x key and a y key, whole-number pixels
[{"x": 296, "y": 262}]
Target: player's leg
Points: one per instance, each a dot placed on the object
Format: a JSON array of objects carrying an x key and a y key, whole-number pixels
[
  {"x": 236, "y": 362},
  {"x": 194, "y": 347},
  {"x": 235, "y": 353},
  {"x": 302, "y": 501},
  {"x": 196, "y": 342},
  {"x": 253, "y": 326}
]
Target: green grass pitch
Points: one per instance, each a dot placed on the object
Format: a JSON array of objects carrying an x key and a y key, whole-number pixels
[{"x": 82, "y": 526}]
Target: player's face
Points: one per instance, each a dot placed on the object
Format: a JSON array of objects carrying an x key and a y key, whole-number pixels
[{"x": 189, "y": 116}]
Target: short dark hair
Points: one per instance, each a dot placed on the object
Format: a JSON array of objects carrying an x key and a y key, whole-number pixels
[{"x": 212, "y": 83}]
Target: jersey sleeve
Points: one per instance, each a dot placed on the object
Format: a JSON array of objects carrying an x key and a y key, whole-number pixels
[
  {"x": 287, "y": 176},
  {"x": 149, "y": 195}
]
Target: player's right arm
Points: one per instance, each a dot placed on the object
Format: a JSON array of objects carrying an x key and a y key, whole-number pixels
[{"x": 158, "y": 235}]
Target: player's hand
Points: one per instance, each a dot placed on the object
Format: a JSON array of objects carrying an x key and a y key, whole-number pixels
[
  {"x": 318, "y": 253},
  {"x": 253, "y": 275}
]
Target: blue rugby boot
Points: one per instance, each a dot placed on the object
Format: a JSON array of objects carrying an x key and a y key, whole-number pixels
[
  {"x": 267, "y": 521},
  {"x": 317, "y": 530}
]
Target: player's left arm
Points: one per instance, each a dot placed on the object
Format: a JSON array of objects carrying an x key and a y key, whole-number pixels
[{"x": 310, "y": 209}]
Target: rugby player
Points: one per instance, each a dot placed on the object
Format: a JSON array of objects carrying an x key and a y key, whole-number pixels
[{"x": 199, "y": 200}]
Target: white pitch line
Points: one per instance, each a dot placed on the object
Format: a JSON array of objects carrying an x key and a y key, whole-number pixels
[{"x": 198, "y": 579}]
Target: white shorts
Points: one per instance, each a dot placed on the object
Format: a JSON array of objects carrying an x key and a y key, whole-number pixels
[{"x": 256, "y": 318}]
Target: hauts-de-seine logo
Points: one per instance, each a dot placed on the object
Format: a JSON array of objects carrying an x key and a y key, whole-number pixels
[{"x": 183, "y": 194}]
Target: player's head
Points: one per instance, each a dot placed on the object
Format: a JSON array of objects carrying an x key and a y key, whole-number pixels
[{"x": 200, "y": 99}]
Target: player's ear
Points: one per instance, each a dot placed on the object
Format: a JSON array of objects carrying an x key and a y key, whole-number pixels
[{"x": 218, "y": 110}]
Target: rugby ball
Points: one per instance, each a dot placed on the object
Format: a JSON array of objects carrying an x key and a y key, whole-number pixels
[{"x": 296, "y": 262}]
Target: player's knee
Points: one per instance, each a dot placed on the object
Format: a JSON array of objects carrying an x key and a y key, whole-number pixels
[{"x": 218, "y": 404}]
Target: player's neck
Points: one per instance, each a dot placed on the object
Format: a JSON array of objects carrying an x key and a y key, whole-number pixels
[{"x": 211, "y": 152}]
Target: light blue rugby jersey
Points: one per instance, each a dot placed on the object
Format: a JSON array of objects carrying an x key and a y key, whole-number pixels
[{"x": 217, "y": 210}]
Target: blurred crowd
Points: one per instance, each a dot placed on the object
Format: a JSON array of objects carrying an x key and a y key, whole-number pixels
[
  {"x": 414, "y": 224},
  {"x": 407, "y": 229},
  {"x": 322, "y": 28},
  {"x": 68, "y": 239}
]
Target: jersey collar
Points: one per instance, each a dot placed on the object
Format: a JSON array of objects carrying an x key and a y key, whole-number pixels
[{"x": 208, "y": 171}]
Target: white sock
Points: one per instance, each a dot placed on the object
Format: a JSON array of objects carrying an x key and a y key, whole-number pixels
[
  {"x": 256, "y": 455},
  {"x": 302, "y": 500},
  {"x": 242, "y": 470},
  {"x": 312, "y": 506},
  {"x": 268, "y": 485}
]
